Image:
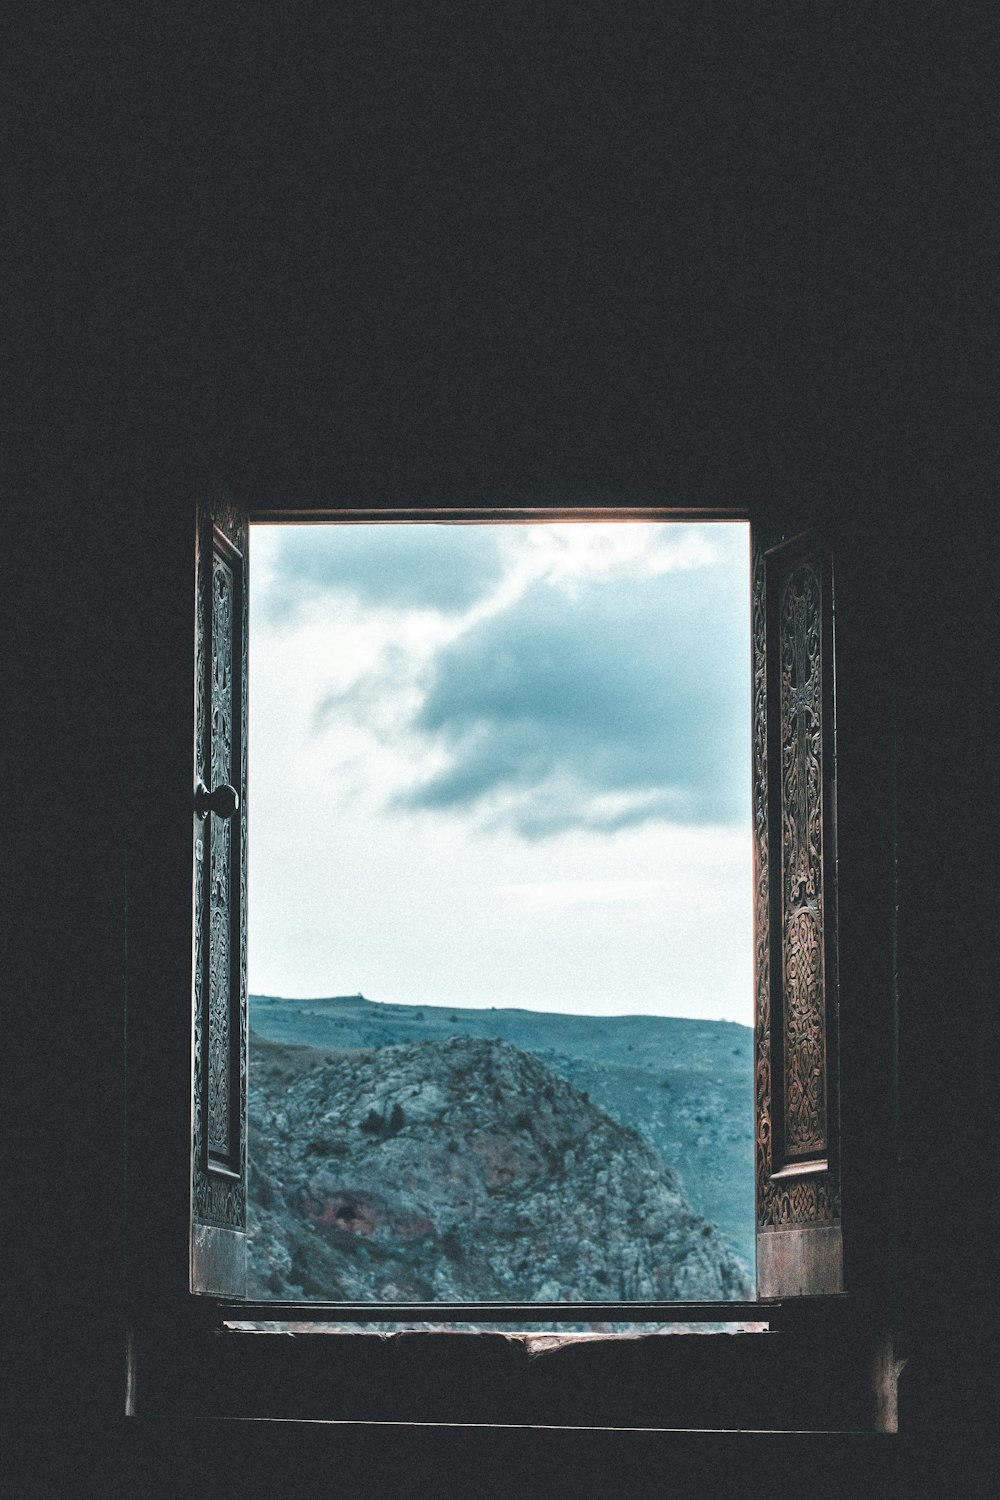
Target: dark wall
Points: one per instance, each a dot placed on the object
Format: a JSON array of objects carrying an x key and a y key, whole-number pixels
[{"x": 705, "y": 258}]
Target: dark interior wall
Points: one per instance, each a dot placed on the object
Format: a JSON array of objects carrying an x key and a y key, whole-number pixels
[{"x": 705, "y": 262}]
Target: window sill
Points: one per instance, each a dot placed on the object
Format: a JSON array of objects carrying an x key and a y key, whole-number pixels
[{"x": 812, "y": 1372}]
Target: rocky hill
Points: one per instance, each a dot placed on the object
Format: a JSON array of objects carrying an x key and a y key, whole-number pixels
[
  {"x": 685, "y": 1085},
  {"x": 461, "y": 1170}
]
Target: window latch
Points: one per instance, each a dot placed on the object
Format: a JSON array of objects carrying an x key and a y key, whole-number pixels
[{"x": 223, "y": 801}]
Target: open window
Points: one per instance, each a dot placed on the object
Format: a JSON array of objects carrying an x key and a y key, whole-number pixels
[
  {"x": 501, "y": 791},
  {"x": 799, "y": 1247},
  {"x": 816, "y": 1373}
]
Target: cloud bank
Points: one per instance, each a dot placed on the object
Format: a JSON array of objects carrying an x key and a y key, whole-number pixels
[
  {"x": 597, "y": 708},
  {"x": 445, "y": 568}
]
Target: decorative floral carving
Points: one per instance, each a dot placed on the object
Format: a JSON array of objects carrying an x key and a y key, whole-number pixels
[
  {"x": 220, "y": 999},
  {"x": 801, "y": 723},
  {"x": 808, "y": 1200},
  {"x": 762, "y": 966},
  {"x": 221, "y": 851},
  {"x": 788, "y": 846}
]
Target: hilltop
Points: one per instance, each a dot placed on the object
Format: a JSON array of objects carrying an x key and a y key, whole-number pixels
[
  {"x": 685, "y": 1085},
  {"x": 461, "y": 1169}
]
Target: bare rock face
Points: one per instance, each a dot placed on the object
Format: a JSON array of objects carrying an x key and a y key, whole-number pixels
[{"x": 461, "y": 1171}]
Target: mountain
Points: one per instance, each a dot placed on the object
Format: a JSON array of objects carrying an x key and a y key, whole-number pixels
[
  {"x": 685, "y": 1085},
  {"x": 461, "y": 1169}
]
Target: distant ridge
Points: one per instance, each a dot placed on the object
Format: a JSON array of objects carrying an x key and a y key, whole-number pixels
[{"x": 486, "y": 1010}]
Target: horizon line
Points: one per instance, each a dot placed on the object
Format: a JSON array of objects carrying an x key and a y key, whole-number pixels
[{"x": 530, "y": 1010}]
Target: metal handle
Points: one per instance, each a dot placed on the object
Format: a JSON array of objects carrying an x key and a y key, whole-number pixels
[{"x": 223, "y": 801}]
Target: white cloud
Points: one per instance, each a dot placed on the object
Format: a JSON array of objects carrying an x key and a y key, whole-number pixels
[{"x": 604, "y": 912}]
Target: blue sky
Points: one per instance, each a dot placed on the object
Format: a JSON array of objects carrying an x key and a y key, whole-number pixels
[{"x": 498, "y": 765}]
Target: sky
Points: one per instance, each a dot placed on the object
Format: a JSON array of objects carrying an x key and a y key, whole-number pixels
[{"x": 502, "y": 765}]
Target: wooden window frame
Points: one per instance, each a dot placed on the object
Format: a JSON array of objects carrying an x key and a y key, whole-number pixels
[{"x": 817, "y": 1368}]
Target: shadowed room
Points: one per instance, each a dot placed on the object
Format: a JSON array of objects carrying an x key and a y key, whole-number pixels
[{"x": 274, "y": 267}]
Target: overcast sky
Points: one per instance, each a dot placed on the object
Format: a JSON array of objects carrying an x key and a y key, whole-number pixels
[{"x": 502, "y": 765}]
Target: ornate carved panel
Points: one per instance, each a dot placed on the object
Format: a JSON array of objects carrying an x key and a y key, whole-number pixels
[
  {"x": 220, "y": 913},
  {"x": 220, "y": 1001},
  {"x": 791, "y": 728},
  {"x": 801, "y": 737}
]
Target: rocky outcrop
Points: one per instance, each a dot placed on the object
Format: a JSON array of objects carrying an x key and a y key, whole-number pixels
[
  {"x": 685, "y": 1085},
  {"x": 461, "y": 1170}
]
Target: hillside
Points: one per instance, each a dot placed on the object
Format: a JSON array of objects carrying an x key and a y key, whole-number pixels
[
  {"x": 461, "y": 1170},
  {"x": 685, "y": 1085}
]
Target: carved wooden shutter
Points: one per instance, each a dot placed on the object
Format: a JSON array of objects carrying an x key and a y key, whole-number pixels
[
  {"x": 219, "y": 1102},
  {"x": 799, "y": 1241}
]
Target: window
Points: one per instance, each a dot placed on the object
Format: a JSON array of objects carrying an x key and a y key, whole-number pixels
[
  {"x": 797, "y": 1077},
  {"x": 501, "y": 784}
]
